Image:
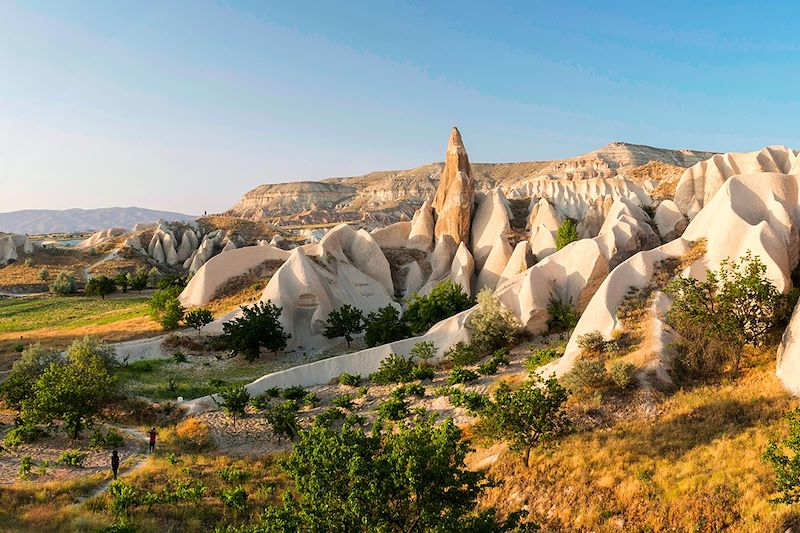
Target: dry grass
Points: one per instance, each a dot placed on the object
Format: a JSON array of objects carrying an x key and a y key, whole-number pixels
[
  {"x": 22, "y": 277},
  {"x": 249, "y": 230},
  {"x": 695, "y": 467}
]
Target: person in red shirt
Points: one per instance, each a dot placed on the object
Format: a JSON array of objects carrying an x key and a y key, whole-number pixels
[{"x": 152, "y": 435}]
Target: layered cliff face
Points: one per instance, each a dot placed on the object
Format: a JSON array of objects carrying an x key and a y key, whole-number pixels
[{"x": 388, "y": 196}]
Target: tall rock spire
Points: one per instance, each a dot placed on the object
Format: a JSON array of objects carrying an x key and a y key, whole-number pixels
[{"x": 455, "y": 195}]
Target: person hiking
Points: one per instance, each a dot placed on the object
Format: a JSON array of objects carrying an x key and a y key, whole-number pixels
[
  {"x": 115, "y": 462},
  {"x": 152, "y": 435}
]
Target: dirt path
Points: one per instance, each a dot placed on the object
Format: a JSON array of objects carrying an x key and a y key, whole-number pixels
[{"x": 138, "y": 459}]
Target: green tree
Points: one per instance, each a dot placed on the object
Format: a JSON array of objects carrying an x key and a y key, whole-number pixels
[
  {"x": 344, "y": 322},
  {"x": 529, "y": 416},
  {"x": 123, "y": 281},
  {"x": 492, "y": 324},
  {"x": 385, "y": 325},
  {"x": 733, "y": 307},
  {"x": 258, "y": 326},
  {"x": 198, "y": 318},
  {"x": 417, "y": 474},
  {"x": 18, "y": 385},
  {"x": 282, "y": 419},
  {"x": 73, "y": 391},
  {"x": 567, "y": 233},
  {"x": 138, "y": 282},
  {"x": 786, "y": 466},
  {"x": 100, "y": 286},
  {"x": 445, "y": 300},
  {"x": 234, "y": 401},
  {"x": 165, "y": 308},
  {"x": 63, "y": 284}
]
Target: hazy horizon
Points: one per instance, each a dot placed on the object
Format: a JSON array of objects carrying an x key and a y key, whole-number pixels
[{"x": 186, "y": 106}]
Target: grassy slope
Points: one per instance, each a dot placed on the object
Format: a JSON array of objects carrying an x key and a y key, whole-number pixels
[
  {"x": 57, "y": 320},
  {"x": 694, "y": 466}
]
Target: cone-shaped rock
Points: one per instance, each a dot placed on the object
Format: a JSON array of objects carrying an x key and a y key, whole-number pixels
[{"x": 456, "y": 193}]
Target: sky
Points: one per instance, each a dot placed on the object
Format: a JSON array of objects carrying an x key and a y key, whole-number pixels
[{"x": 184, "y": 106}]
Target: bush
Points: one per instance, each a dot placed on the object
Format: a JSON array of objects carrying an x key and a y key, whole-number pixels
[
  {"x": 63, "y": 284},
  {"x": 385, "y": 325},
  {"x": 423, "y": 372},
  {"x": 567, "y": 233},
  {"x": 563, "y": 316},
  {"x": 111, "y": 439},
  {"x": 349, "y": 380},
  {"x": 444, "y": 300},
  {"x": 44, "y": 274},
  {"x": 393, "y": 369},
  {"x": 192, "y": 435},
  {"x": 235, "y": 499},
  {"x": 409, "y": 389},
  {"x": 592, "y": 344},
  {"x": 232, "y": 474},
  {"x": 18, "y": 385},
  {"x": 72, "y": 458},
  {"x": 461, "y": 375},
  {"x": 786, "y": 467},
  {"x": 733, "y": 307},
  {"x": 260, "y": 402},
  {"x": 282, "y": 419},
  {"x": 472, "y": 401},
  {"x": 295, "y": 392},
  {"x": 198, "y": 318},
  {"x": 462, "y": 354},
  {"x": 424, "y": 351},
  {"x": 393, "y": 408},
  {"x": 491, "y": 366},
  {"x": 540, "y": 358},
  {"x": 21, "y": 434},
  {"x": 259, "y": 326},
  {"x": 345, "y": 401},
  {"x": 344, "y": 322},
  {"x": 327, "y": 417},
  {"x": 492, "y": 324},
  {"x": 585, "y": 377},
  {"x": 165, "y": 308},
  {"x": 100, "y": 286},
  {"x": 622, "y": 374}
]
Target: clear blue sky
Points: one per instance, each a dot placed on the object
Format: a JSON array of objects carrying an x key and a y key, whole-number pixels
[{"x": 186, "y": 105}]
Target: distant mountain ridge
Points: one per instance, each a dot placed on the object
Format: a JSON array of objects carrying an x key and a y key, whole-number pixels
[{"x": 36, "y": 221}]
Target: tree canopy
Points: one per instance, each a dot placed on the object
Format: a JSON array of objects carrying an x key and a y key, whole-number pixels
[
  {"x": 344, "y": 322},
  {"x": 259, "y": 326}
]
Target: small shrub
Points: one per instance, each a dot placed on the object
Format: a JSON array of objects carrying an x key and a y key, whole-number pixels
[
  {"x": 493, "y": 325},
  {"x": 541, "y": 358},
  {"x": 63, "y": 284},
  {"x": 406, "y": 390},
  {"x": 393, "y": 409},
  {"x": 563, "y": 316},
  {"x": 445, "y": 300},
  {"x": 232, "y": 474},
  {"x": 192, "y": 435},
  {"x": 345, "y": 401},
  {"x": 295, "y": 392},
  {"x": 472, "y": 401},
  {"x": 282, "y": 419},
  {"x": 20, "y": 435},
  {"x": 235, "y": 399},
  {"x": 349, "y": 380},
  {"x": 592, "y": 344},
  {"x": 328, "y": 416},
  {"x": 198, "y": 318},
  {"x": 179, "y": 357},
  {"x": 462, "y": 354},
  {"x": 461, "y": 375},
  {"x": 272, "y": 392},
  {"x": 235, "y": 499},
  {"x": 44, "y": 274},
  {"x": 622, "y": 374},
  {"x": 585, "y": 377},
  {"x": 361, "y": 391},
  {"x": 385, "y": 325},
  {"x": 346, "y": 322},
  {"x": 72, "y": 458},
  {"x": 424, "y": 351},
  {"x": 310, "y": 399},
  {"x": 25, "y": 467},
  {"x": 423, "y": 372},
  {"x": 260, "y": 402},
  {"x": 491, "y": 366},
  {"x": 393, "y": 369},
  {"x": 567, "y": 233},
  {"x": 111, "y": 439}
]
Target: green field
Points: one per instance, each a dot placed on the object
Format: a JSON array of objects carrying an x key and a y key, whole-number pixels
[{"x": 64, "y": 312}]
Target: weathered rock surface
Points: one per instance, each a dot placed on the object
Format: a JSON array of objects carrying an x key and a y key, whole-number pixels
[
  {"x": 455, "y": 195},
  {"x": 491, "y": 219},
  {"x": 495, "y": 264},
  {"x": 463, "y": 268}
]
